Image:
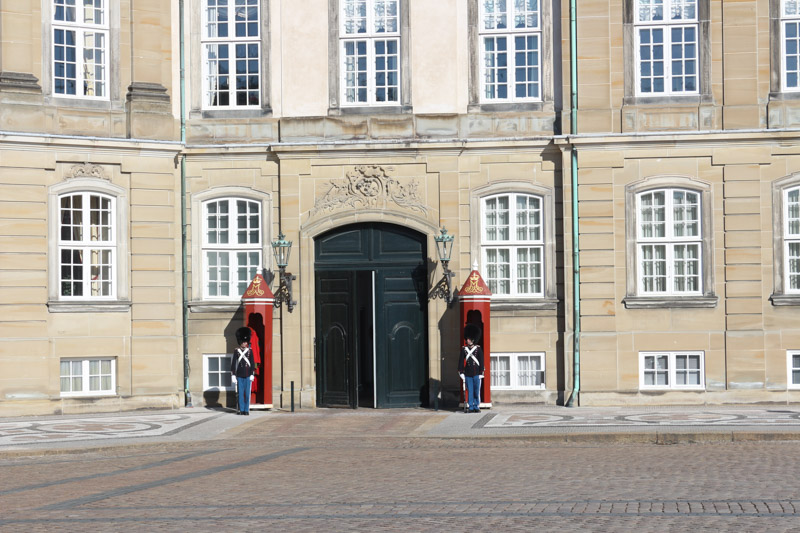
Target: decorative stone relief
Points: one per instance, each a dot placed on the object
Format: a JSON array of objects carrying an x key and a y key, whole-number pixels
[
  {"x": 86, "y": 170},
  {"x": 368, "y": 186}
]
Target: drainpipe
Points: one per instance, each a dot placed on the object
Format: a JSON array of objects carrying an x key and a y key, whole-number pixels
[
  {"x": 576, "y": 270},
  {"x": 185, "y": 282}
]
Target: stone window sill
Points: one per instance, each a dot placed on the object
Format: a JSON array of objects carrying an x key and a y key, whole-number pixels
[
  {"x": 523, "y": 304},
  {"x": 780, "y": 300},
  {"x": 665, "y": 302},
  {"x": 89, "y": 306},
  {"x": 214, "y": 306}
]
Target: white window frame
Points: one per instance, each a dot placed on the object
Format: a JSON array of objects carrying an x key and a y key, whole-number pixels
[
  {"x": 791, "y": 238},
  {"x": 232, "y": 42},
  {"x": 231, "y": 249},
  {"x": 514, "y": 370},
  {"x": 371, "y": 37},
  {"x": 513, "y": 245},
  {"x": 224, "y": 369},
  {"x": 790, "y": 384},
  {"x": 81, "y": 30},
  {"x": 672, "y": 370},
  {"x": 665, "y": 24},
  {"x": 85, "y": 375},
  {"x": 670, "y": 241},
  {"x": 88, "y": 247},
  {"x": 510, "y": 34},
  {"x": 790, "y": 16}
]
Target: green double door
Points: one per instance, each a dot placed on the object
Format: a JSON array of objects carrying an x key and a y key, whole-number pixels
[{"x": 371, "y": 315}]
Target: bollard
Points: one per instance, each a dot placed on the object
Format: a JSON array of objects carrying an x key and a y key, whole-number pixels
[{"x": 293, "y": 396}]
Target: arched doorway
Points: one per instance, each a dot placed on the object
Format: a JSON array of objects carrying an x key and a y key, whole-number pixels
[{"x": 371, "y": 339}]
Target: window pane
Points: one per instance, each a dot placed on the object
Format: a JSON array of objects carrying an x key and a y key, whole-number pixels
[{"x": 501, "y": 371}]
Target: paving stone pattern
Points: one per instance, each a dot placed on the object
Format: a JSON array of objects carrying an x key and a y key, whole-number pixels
[{"x": 353, "y": 471}]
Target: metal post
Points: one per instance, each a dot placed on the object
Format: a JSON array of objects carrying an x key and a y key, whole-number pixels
[{"x": 293, "y": 396}]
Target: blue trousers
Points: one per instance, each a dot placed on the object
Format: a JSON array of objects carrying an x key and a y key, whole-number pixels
[
  {"x": 243, "y": 390},
  {"x": 473, "y": 392}
]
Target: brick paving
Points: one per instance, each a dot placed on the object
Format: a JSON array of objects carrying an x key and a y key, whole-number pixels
[{"x": 392, "y": 471}]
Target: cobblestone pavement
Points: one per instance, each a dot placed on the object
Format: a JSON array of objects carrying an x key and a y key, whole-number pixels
[
  {"x": 406, "y": 470},
  {"x": 250, "y": 482}
]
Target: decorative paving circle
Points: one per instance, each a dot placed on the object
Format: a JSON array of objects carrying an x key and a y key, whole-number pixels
[{"x": 681, "y": 418}]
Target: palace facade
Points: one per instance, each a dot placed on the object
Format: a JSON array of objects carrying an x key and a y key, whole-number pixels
[{"x": 625, "y": 177}]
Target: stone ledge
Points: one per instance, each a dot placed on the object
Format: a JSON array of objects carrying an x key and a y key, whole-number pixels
[
  {"x": 94, "y": 306},
  {"x": 646, "y": 302},
  {"x": 19, "y": 82}
]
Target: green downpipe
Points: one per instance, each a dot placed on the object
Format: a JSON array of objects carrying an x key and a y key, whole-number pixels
[
  {"x": 574, "y": 399},
  {"x": 184, "y": 280}
]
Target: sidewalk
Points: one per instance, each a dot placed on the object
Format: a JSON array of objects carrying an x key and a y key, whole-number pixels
[{"x": 659, "y": 425}]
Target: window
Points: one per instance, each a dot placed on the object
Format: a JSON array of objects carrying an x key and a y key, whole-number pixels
[
  {"x": 80, "y": 48},
  {"x": 517, "y": 371},
  {"x": 88, "y": 377},
  {"x": 87, "y": 246},
  {"x": 791, "y": 240},
  {"x": 669, "y": 242},
  {"x": 786, "y": 240},
  {"x": 790, "y": 45},
  {"x": 217, "y": 372},
  {"x": 666, "y": 47},
  {"x": 510, "y": 47},
  {"x": 231, "y": 44},
  {"x": 232, "y": 246},
  {"x": 370, "y": 52},
  {"x": 793, "y": 369},
  {"x": 671, "y": 370},
  {"x": 512, "y": 243}
]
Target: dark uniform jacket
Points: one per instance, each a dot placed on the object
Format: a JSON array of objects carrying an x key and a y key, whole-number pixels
[
  {"x": 245, "y": 367},
  {"x": 467, "y": 365}
]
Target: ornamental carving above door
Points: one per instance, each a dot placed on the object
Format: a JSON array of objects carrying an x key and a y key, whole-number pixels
[{"x": 369, "y": 186}]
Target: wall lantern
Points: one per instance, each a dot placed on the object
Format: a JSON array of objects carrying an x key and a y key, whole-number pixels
[
  {"x": 281, "y": 248},
  {"x": 444, "y": 248}
]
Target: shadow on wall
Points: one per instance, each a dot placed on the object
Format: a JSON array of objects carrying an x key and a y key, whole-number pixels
[
  {"x": 226, "y": 398},
  {"x": 447, "y": 392}
]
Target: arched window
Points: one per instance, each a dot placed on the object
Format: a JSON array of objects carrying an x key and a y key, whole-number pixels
[
  {"x": 232, "y": 246},
  {"x": 669, "y": 243},
  {"x": 512, "y": 244}
]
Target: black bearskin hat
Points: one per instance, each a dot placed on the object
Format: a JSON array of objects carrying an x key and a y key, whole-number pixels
[
  {"x": 242, "y": 335},
  {"x": 472, "y": 332}
]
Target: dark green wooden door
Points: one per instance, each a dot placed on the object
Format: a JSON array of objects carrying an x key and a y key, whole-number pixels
[
  {"x": 345, "y": 259},
  {"x": 335, "y": 365},
  {"x": 401, "y": 341}
]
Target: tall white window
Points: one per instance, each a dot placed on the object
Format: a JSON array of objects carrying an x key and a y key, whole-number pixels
[
  {"x": 231, "y": 45},
  {"x": 790, "y": 44},
  {"x": 80, "y": 48},
  {"x": 217, "y": 372},
  {"x": 88, "y": 377},
  {"x": 666, "y": 47},
  {"x": 370, "y": 52},
  {"x": 511, "y": 44},
  {"x": 791, "y": 240},
  {"x": 671, "y": 370},
  {"x": 87, "y": 246},
  {"x": 512, "y": 244},
  {"x": 517, "y": 371},
  {"x": 669, "y": 242},
  {"x": 231, "y": 246}
]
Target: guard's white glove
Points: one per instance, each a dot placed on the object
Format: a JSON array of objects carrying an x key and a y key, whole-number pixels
[
  {"x": 481, "y": 376},
  {"x": 252, "y": 378},
  {"x": 233, "y": 382},
  {"x": 461, "y": 376}
]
